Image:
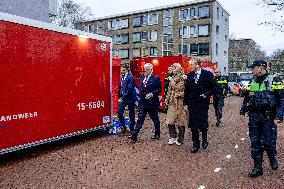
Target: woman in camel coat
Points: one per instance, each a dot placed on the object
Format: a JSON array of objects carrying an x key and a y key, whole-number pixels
[{"x": 177, "y": 114}]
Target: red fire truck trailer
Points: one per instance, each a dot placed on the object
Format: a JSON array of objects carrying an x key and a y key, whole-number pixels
[
  {"x": 161, "y": 65},
  {"x": 55, "y": 82}
]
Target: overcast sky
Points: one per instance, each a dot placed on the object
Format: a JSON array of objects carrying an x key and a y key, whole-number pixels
[{"x": 245, "y": 16}]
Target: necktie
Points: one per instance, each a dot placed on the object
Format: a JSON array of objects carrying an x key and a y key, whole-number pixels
[{"x": 145, "y": 81}]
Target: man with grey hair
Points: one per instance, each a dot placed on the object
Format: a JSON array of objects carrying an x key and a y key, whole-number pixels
[{"x": 149, "y": 90}]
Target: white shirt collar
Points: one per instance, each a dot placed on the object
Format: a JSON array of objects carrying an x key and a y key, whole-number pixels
[{"x": 198, "y": 72}]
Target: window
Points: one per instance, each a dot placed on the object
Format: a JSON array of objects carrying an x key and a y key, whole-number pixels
[
  {"x": 136, "y": 37},
  {"x": 124, "y": 38},
  {"x": 218, "y": 12},
  {"x": 153, "y": 51},
  {"x": 168, "y": 46},
  {"x": 137, "y": 21},
  {"x": 193, "y": 31},
  {"x": 168, "y": 30},
  {"x": 145, "y": 20},
  {"x": 89, "y": 28},
  {"x": 167, "y": 53},
  {"x": 113, "y": 25},
  {"x": 184, "y": 49},
  {"x": 183, "y": 32},
  {"x": 137, "y": 53},
  {"x": 167, "y": 38},
  {"x": 115, "y": 52},
  {"x": 124, "y": 53},
  {"x": 193, "y": 49},
  {"x": 217, "y": 48},
  {"x": 193, "y": 14},
  {"x": 167, "y": 21},
  {"x": 203, "y": 12},
  {"x": 100, "y": 28},
  {"x": 183, "y": 14},
  {"x": 117, "y": 24},
  {"x": 203, "y": 30},
  {"x": 153, "y": 35},
  {"x": 117, "y": 39},
  {"x": 168, "y": 13},
  {"x": 145, "y": 36},
  {"x": 124, "y": 23},
  {"x": 217, "y": 30},
  {"x": 144, "y": 52},
  {"x": 153, "y": 18},
  {"x": 203, "y": 49}
]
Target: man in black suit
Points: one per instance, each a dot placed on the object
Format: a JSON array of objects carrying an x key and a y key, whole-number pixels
[
  {"x": 198, "y": 89},
  {"x": 150, "y": 88},
  {"x": 127, "y": 97}
]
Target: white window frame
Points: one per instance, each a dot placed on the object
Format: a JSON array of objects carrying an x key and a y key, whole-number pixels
[
  {"x": 199, "y": 31},
  {"x": 184, "y": 34},
  {"x": 153, "y": 23},
  {"x": 136, "y": 33},
  {"x": 195, "y": 32},
  {"x": 153, "y": 35},
  {"x": 154, "y": 54},
  {"x": 187, "y": 16}
]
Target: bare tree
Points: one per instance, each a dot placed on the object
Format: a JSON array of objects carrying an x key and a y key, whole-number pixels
[
  {"x": 276, "y": 14},
  {"x": 69, "y": 13},
  {"x": 243, "y": 52},
  {"x": 277, "y": 61}
]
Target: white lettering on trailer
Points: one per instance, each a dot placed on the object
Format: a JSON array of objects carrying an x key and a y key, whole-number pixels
[
  {"x": 91, "y": 105},
  {"x": 18, "y": 116}
]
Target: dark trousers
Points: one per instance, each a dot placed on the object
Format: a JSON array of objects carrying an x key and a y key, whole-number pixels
[
  {"x": 263, "y": 135},
  {"x": 195, "y": 137},
  {"x": 218, "y": 103},
  {"x": 121, "y": 109},
  {"x": 173, "y": 133},
  {"x": 153, "y": 113}
]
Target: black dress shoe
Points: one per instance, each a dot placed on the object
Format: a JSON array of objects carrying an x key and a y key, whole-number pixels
[
  {"x": 217, "y": 124},
  {"x": 133, "y": 136},
  {"x": 194, "y": 150},
  {"x": 155, "y": 137},
  {"x": 204, "y": 145}
]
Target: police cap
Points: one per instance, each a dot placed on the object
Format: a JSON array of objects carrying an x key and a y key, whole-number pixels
[{"x": 258, "y": 63}]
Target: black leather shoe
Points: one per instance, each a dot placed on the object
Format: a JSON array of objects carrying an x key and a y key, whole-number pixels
[
  {"x": 133, "y": 136},
  {"x": 194, "y": 150},
  {"x": 255, "y": 172},
  {"x": 204, "y": 145},
  {"x": 155, "y": 137}
]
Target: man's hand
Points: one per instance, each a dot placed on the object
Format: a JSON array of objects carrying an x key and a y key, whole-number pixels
[
  {"x": 277, "y": 122},
  {"x": 149, "y": 95},
  {"x": 203, "y": 96},
  {"x": 120, "y": 100}
]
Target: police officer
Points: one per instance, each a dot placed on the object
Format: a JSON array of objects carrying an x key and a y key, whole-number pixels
[
  {"x": 264, "y": 103},
  {"x": 221, "y": 90}
]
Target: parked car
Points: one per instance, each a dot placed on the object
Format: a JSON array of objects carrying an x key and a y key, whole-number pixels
[{"x": 238, "y": 81}]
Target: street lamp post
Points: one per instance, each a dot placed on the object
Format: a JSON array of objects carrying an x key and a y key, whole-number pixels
[{"x": 182, "y": 36}]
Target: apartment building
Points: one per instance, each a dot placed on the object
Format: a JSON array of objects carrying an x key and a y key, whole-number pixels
[
  {"x": 40, "y": 10},
  {"x": 195, "y": 28}
]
